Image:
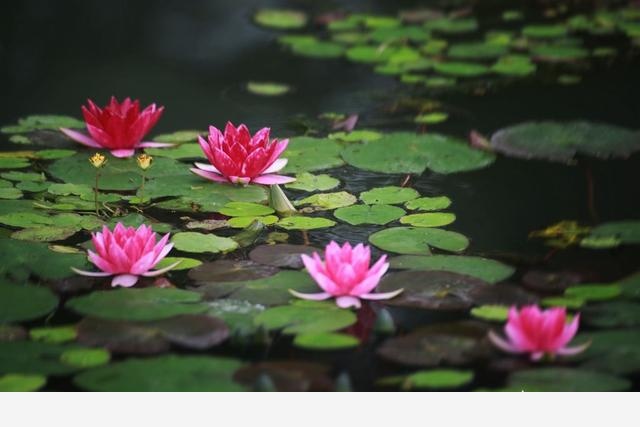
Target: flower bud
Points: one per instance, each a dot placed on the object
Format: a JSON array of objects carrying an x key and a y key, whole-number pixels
[
  {"x": 144, "y": 161},
  {"x": 98, "y": 160}
]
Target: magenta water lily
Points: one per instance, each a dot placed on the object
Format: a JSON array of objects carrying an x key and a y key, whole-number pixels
[
  {"x": 128, "y": 253},
  {"x": 240, "y": 158},
  {"x": 346, "y": 274},
  {"x": 537, "y": 332},
  {"x": 118, "y": 127}
]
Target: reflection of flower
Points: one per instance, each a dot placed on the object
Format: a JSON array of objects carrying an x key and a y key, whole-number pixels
[
  {"x": 98, "y": 160},
  {"x": 345, "y": 275},
  {"x": 127, "y": 253},
  {"x": 240, "y": 158},
  {"x": 118, "y": 127},
  {"x": 538, "y": 332},
  {"x": 144, "y": 161}
]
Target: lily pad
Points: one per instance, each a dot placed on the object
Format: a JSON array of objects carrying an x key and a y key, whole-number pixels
[
  {"x": 32, "y": 357},
  {"x": 485, "y": 269},
  {"x": 477, "y": 50},
  {"x": 283, "y": 255},
  {"x": 282, "y": 19},
  {"x": 388, "y": 195},
  {"x": 418, "y": 241},
  {"x": 514, "y": 65},
  {"x": 325, "y": 341},
  {"x": 191, "y": 241},
  {"x": 306, "y": 154},
  {"x": 185, "y": 263},
  {"x": 314, "y": 48},
  {"x": 42, "y": 122},
  {"x": 452, "y": 25},
  {"x": 309, "y": 182},
  {"x": 245, "y": 209},
  {"x": 328, "y": 201},
  {"x": 544, "y": 31},
  {"x": 19, "y": 382},
  {"x": 163, "y": 374},
  {"x": 428, "y": 203},
  {"x": 561, "y": 142},
  {"x": 25, "y": 302},
  {"x": 429, "y": 219},
  {"x": 85, "y": 357},
  {"x": 287, "y": 376},
  {"x": 431, "y": 379},
  {"x": 54, "y": 334},
  {"x": 613, "y": 314},
  {"x": 615, "y": 351},
  {"x": 138, "y": 304},
  {"x": 305, "y": 223},
  {"x": 461, "y": 69},
  {"x": 268, "y": 88},
  {"x": 404, "y": 153},
  {"x": 227, "y": 270},
  {"x": 369, "y": 214},
  {"x": 19, "y": 259},
  {"x": 593, "y": 292},
  {"x": 559, "y": 53},
  {"x": 566, "y": 380},
  {"x": 618, "y": 232},
  {"x": 492, "y": 313},
  {"x": 306, "y": 317}
]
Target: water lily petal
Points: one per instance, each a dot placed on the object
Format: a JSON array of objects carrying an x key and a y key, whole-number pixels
[
  {"x": 502, "y": 344},
  {"x": 206, "y": 167},
  {"x": 91, "y": 273},
  {"x": 162, "y": 270},
  {"x": 123, "y": 152},
  {"x": 348, "y": 301},
  {"x": 152, "y": 144},
  {"x": 81, "y": 138},
  {"x": 382, "y": 295},
  {"x": 314, "y": 297},
  {"x": 209, "y": 175},
  {"x": 271, "y": 179},
  {"x": 276, "y": 166},
  {"x": 124, "y": 280}
]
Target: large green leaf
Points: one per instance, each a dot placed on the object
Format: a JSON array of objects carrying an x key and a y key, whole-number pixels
[
  {"x": 489, "y": 270},
  {"x": 25, "y": 302},
  {"x": 418, "y": 241},
  {"x": 305, "y": 317}
]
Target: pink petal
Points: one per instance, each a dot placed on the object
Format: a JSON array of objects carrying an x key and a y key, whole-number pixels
[
  {"x": 90, "y": 273},
  {"x": 209, "y": 175},
  {"x": 348, "y": 301},
  {"x": 382, "y": 295},
  {"x": 143, "y": 265},
  {"x": 162, "y": 270},
  {"x": 276, "y": 166},
  {"x": 502, "y": 344},
  {"x": 124, "y": 280},
  {"x": 81, "y": 138},
  {"x": 271, "y": 179},
  {"x": 570, "y": 351},
  {"x": 151, "y": 144},
  {"x": 314, "y": 297},
  {"x": 123, "y": 152},
  {"x": 206, "y": 167}
]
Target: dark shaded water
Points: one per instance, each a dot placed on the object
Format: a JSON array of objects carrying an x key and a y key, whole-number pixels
[{"x": 195, "y": 58}]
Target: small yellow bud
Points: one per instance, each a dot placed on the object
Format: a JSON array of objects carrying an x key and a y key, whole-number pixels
[
  {"x": 144, "y": 161},
  {"x": 98, "y": 160}
]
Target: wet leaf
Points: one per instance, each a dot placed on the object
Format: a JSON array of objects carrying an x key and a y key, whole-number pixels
[
  {"x": 25, "y": 302},
  {"x": 282, "y": 19},
  {"x": 304, "y": 223},
  {"x": 328, "y": 201},
  {"x": 593, "y": 292},
  {"x": 268, "y": 88},
  {"x": 306, "y": 154},
  {"x": 325, "y": 341},
  {"x": 31, "y": 357},
  {"x": 492, "y": 313},
  {"x": 418, "y": 241},
  {"x": 431, "y": 379},
  {"x": 369, "y": 214},
  {"x": 309, "y": 182},
  {"x": 428, "y": 203},
  {"x": 227, "y": 270},
  {"x": 85, "y": 357},
  {"x": 19, "y": 259},
  {"x": 245, "y": 209},
  {"x": 388, "y": 195},
  {"x": 19, "y": 382},
  {"x": 431, "y": 219},
  {"x": 191, "y": 241},
  {"x": 485, "y": 269},
  {"x": 305, "y": 317},
  {"x": 54, "y": 334}
]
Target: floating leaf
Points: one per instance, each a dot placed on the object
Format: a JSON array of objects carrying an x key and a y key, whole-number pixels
[
  {"x": 25, "y": 302},
  {"x": 191, "y": 241},
  {"x": 305, "y": 317},
  {"x": 85, "y": 357},
  {"x": 431, "y": 118},
  {"x": 181, "y": 151},
  {"x": 179, "y": 137},
  {"x": 452, "y": 26},
  {"x": 613, "y": 314},
  {"x": 558, "y": 53},
  {"x": 163, "y": 374},
  {"x": 544, "y": 31},
  {"x": 18, "y": 259},
  {"x": 42, "y": 122},
  {"x": 565, "y": 379},
  {"x": 306, "y": 154},
  {"x": 620, "y": 232},
  {"x": 19, "y": 382},
  {"x": 388, "y": 195},
  {"x": 185, "y": 263},
  {"x": 418, "y": 241},
  {"x": 431, "y": 219},
  {"x": 325, "y": 341},
  {"x": 593, "y": 292},
  {"x": 309, "y": 182},
  {"x": 357, "y": 135},
  {"x": 489, "y": 270},
  {"x": 268, "y": 88},
  {"x": 54, "y": 334},
  {"x": 287, "y": 376},
  {"x": 514, "y": 65},
  {"x": 327, "y": 201},
  {"x": 428, "y": 203},
  {"x": 138, "y": 304},
  {"x": 304, "y": 223},
  {"x": 282, "y": 19},
  {"x": 227, "y": 270},
  {"x": 477, "y": 50},
  {"x": 369, "y": 214},
  {"x": 431, "y": 379},
  {"x": 32, "y": 357},
  {"x": 461, "y": 69},
  {"x": 493, "y": 313},
  {"x": 245, "y": 209}
]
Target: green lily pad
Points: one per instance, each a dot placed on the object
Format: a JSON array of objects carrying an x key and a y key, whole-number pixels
[
  {"x": 238, "y": 315},
  {"x": 185, "y": 263},
  {"x": 514, "y": 65},
  {"x": 10, "y": 193},
  {"x": 325, "y": 341},
  {"x": 477, "y": 50},
  {"x": 304, "y": 223},
  {"x": 428, "y": 203},
  {"x": 613, "y": 314},
  {"x": 615, "y": 351},
  {"x": 43, "y": 122},
  {"x": 369, "y": 214},
  {"x": 163, "y": 374},
  {"x": 19, "y": 382},
  {"x": 54, "y": 334},
  {"x": 314, "y": 48},
  {"x": 418, "y": 241},
  {"x": 191, "y": 241},
  {"x": 357, "y": 135},
  {"x": 461, "y": 69},
  {"x": 44, "y": 234},
  {"x": 561, "y": 142},
  {"x": 306, "y": 317},
  {"x": 328, "y": 201},
  {"x": 565, "y": 379},
  {"x": 179, "y": 137},
  {"x": 138, "y": 304},
  {"x": 492, "y": 313},
  {"x": 617, "y": 232},
  {"x": 489, "y": 270},
  {"x": 14, "y": 162},
  {"x": 19, "y": 259},
  {"x": 544, "y": 31},
  {"x": 306, "y": 154},
  {"x": 452, "y": 25},
  {"x": 593, "y": 292},
  {"x": 181, "y": 151},
  {"x": 272, "y": 290},
  {"x": 404, "y": 153},
  {"x": 245, "y": 209},
  {"x": 25, "y": 302},
  {"x": 268, "y": 88},
  {"x": 408, "y": 32},
  {"x": 431, "y": 379},
  {"x": 429, "y": 219},
  {"x": 558, "y": 53},
  {"x": 85, "y": 357},
  {"x": 282, "y": 19},
  {"x": 32, "y": 357},
  {"x": 309, "y": 182},
  {"x": 227, "y": 270},
  {"x": 388, "y": 195},
  {"x": 431, "y": 118}
]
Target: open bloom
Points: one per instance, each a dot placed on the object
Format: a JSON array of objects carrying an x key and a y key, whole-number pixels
[
  {"x": 240, "y": 158},
  {"x": 118, "y": 127},
  {"x": 127, "y": 253},
  {"x": 539, "y": 332},
  {"x": 345, "y": 274}
]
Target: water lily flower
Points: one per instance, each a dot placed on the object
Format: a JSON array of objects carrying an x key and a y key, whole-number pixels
[
  {"x": 538, "y": 332},
  {"x": 127, "y": 253},
  {"x": 346, "y": 275},
  {"x": 240, "y": 158},
  {"x": 118, "y": 127}
]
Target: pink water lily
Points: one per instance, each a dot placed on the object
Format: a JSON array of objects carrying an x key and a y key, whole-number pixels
[
  {"x": 346, "y": 275},
  {"x": 127, "y": 253},
  {"x": 539, "y": 332},
  {"x": 240, "y": 158},
  {"x": 118, "y": 127}
]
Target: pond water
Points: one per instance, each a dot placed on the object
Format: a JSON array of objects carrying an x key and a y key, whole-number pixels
[{"x": 227, "y": 322}]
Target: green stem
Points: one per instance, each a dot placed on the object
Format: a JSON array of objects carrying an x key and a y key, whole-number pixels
[
  {"x": 95, "y": 192},
  {"x": 142, "y": 188}
]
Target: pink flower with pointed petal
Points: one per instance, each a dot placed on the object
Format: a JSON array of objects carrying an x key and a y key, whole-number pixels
[
  {"x": 538, "y": 332},
  {"x": 346, "y": 275},
  {"x": 127, "y": 253},
  {"x": 118, "y": 127},
  {"x": 240, "y": 158}
]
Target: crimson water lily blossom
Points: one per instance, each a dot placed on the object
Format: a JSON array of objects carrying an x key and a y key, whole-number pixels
[
  {"x": 537, "y": 332},
  {"x": 118, "y": 127},
  {"x": 346, "y": 274},
  {"x": 240, "y": 158},
  {"x": 127, "y": 253}
]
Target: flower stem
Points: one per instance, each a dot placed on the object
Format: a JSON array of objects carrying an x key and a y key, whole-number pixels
[
  {"x": 95, "y": 192},
  {"x": 144, "y": 178}
]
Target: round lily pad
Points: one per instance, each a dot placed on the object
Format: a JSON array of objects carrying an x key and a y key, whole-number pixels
[
  {"x": 369, "y": 214},
  {"x": 138, "y": 304},
  {"x": 305, "y": 317},
  {"x": 268, "y": 88},
  {"x": 593, "y": 292},
  {"x": 620, "y": 232},
  {"x": 489, "y": 270},
  {"x": 431, "y": 379},
  {"x": 493, "y": 313},
  {"x": 283, "y": 255},
  {"x": 431, "y": 118},
  {"x": 327, "y": 201},
  {"x": 85, "y": 357},
  {"x": 428, "y": 203},
  {"x": 514, "y": 65},
  {"x": 558, "y": 53},
  {"x": 20, "y": 382},
  {"x": 164, "y": 374},
  {"x": 613, "y": 314},
  {"x": 304, "y": 223},
  {"x": 418, "y": 241},
  {"x": 429, "y": 219},
  {"x": 54, "y": 334},
  {"x": 185, "y": 263},
  {"x": 191, "y": 241},
  {"x": 284, "y": 19},
  {"x": 32, "y": 357},
  {"x": 452, "y": 25},
  {"x": 309, "y": 182},
  {"x": 561, "y": 142},
  {"x": 25, "y": 302},
  {"x": 388, "y": 195},
  {"x": 325, "y": 341},
  {"x": 245, "y": 209},
  {"x": 306, "y": 154}
]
